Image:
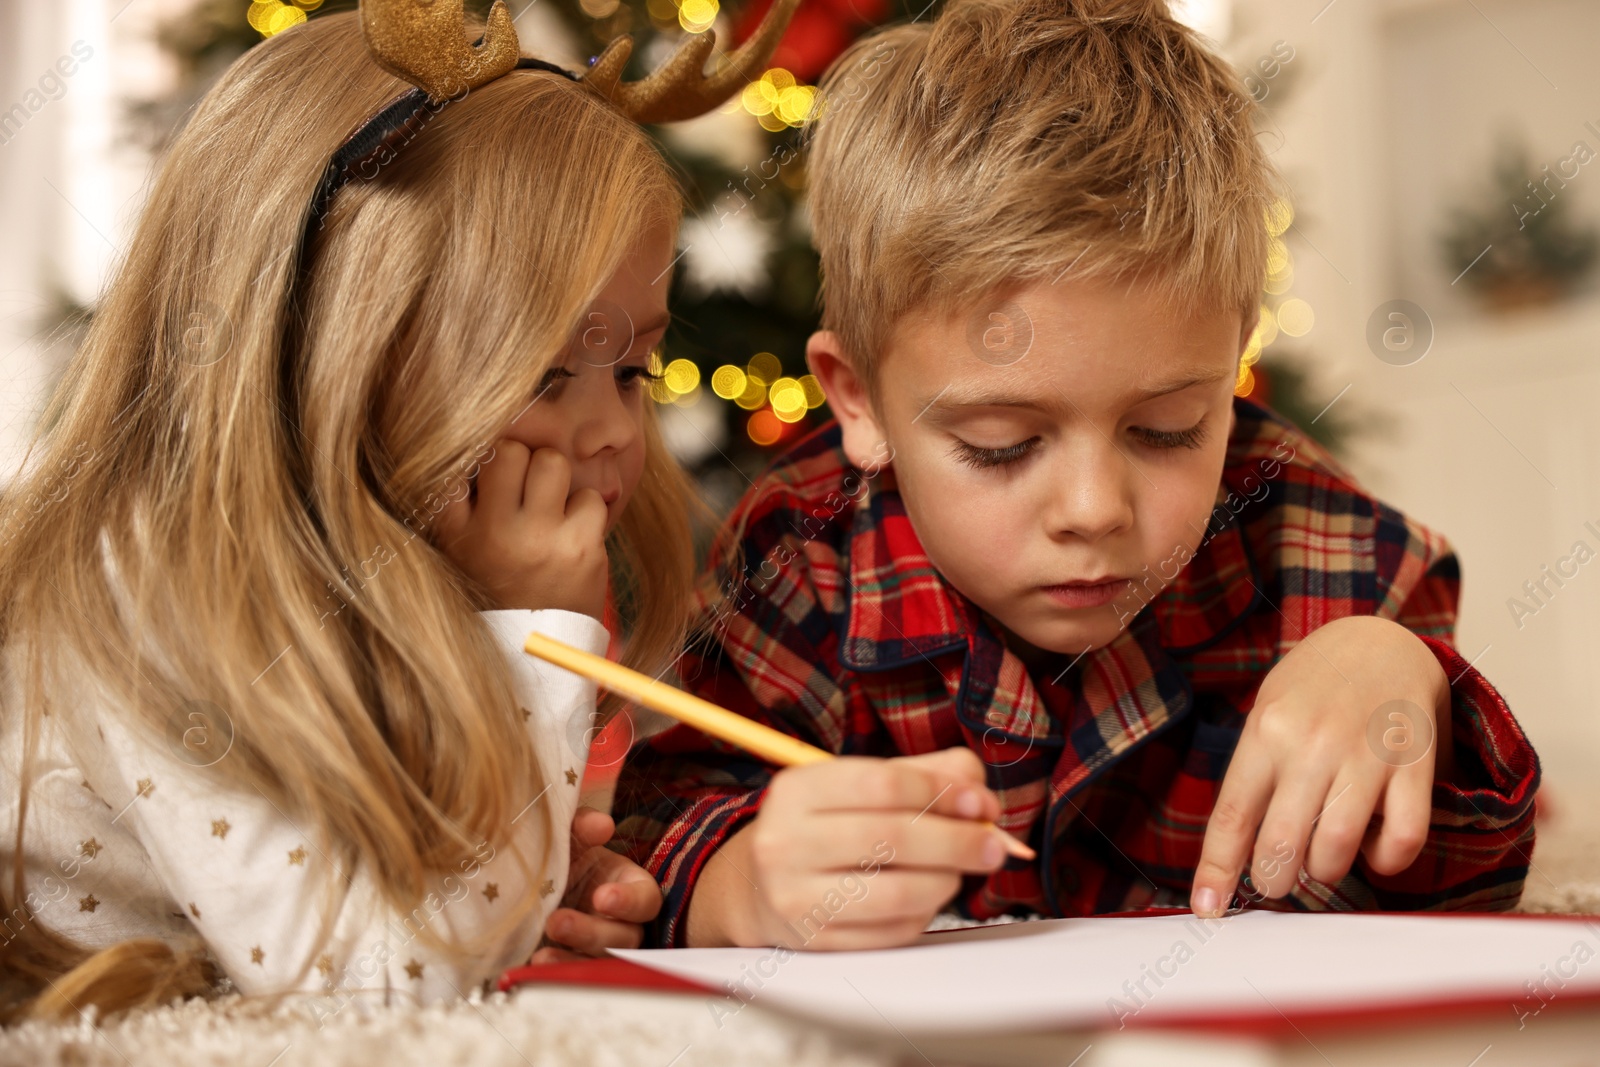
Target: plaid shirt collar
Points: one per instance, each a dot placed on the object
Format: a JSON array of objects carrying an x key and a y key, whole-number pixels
[{"x": 899, "y": 610}]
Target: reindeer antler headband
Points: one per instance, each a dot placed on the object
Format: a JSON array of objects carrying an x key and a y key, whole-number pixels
[{"x": 422, "y": 42}]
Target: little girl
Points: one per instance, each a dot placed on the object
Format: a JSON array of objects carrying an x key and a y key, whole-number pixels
[{"x": 339, "y": 438}]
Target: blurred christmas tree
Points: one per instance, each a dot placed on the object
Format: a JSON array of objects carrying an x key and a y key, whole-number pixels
[{"x": 1516, "y": 243}]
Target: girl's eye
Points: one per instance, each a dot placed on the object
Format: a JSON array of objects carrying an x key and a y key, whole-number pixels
[
  {"x": 983, "y": 458},
  {"x": 552, "y": 377},
  {"x": 633, "y": 374},
  {"x": 1193, "y": 437}
]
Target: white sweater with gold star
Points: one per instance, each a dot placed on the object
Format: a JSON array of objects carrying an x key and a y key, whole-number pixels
[{"x": 128, "y": 839}]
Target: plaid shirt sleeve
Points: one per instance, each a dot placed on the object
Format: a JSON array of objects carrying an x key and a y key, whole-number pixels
[
  {"x": 1481, "y": 834},
  {"x": 762, "y": 650}
]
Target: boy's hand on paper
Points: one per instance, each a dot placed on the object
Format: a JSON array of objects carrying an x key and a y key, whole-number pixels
[
  {"x": 851, "y": 853},
  {"x": 608, "y": 897},
  {"x": 1337, "y": 757},
  {"x": 526, "y": 537}
]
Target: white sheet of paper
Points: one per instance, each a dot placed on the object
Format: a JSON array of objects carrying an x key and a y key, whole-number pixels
[{"x": 1082, "y": 973}]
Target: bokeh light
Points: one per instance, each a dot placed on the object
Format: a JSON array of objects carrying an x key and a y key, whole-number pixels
[
  {"x": 764, "y": 428},
  {"x": 813, "y": 390},
  {"x": 765, "y": 368},
  {"x": 681, "y": 376},
  {"x": 696, "y": 16},
  {"x": 1295, "y": 317},
  {"x": 728, "y": 381}
]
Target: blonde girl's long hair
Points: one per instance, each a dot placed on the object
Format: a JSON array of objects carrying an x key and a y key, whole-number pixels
[{"x": 263, "y": 453}]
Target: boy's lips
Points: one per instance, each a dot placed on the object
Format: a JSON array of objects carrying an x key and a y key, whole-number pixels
[{"x": 1086, "y": 594}]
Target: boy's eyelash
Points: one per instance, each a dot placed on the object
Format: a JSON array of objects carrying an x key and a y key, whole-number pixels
[
  {"x": 984, "y": 458},
  {"x": 1193, "y": 437}
]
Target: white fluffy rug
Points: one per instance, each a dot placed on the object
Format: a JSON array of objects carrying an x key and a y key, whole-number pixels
[{"x": 550, "y": 1027}]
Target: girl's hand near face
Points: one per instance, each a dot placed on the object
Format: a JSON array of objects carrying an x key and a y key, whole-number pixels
[{"x": 526, "y": 537}]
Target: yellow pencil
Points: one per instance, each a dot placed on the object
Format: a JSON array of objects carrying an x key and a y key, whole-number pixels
[{"x": 703, "y": 715}]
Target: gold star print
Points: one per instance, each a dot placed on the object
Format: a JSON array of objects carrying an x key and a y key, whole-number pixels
[
  {"x": 90, "y": 848},
  {"x": 297, "y": 858},
  {"x": 526, "y": 714},
  {"x": 414, "y": 970},
  {"x": 548, "y": 887},
  {"x": 256, "y": 955},
  {"x": 325, "y": 965},
  {"x": 88, "y": 903},
  {"x": 220, "y": 828},
  {"x": 572, "y": 776},
  {"x": 491, "y": 891},
  {"x": 146, "y": 786},
  {"x": 194, "y": 910}
]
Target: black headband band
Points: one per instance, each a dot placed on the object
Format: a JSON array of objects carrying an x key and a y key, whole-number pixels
[{"x": 377, "y": 141}]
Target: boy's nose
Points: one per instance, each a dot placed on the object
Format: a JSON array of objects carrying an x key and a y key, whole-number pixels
[{"x": 1092, "y": 497}]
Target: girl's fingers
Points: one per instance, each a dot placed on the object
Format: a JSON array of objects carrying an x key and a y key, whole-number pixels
[
  {"x": 500, "y": 481},
  {"x": 545, "y": 483},
  {"x": 1407, "y": 810},
  {"x": 1231, "y": 830},
  {"x": 554, "y": 954},
  {"x": 591, "y": 934},
  {"x": 621, "y": 889},
  {"x": 1280, "y": 846},
  {"x": 1343, "y": 826},
  {"x": 591, "y": 828}
]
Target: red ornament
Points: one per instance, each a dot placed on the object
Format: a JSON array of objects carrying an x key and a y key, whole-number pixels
[{"x": 817, "y": 33}]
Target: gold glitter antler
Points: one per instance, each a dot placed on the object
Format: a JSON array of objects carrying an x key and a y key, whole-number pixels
[
  {"x": 678, "y": 89},
  {"x": 424, "y": 42}
]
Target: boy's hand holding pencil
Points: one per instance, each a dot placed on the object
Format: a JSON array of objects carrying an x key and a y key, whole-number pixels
[
  {"x": 854, "y": 853},
  {"x": 847, "y": 852}
]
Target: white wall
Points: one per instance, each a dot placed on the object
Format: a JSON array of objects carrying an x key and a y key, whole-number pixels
[{"x": 1494, "y": 439}]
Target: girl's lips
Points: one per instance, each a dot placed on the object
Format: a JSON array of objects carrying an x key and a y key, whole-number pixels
[{"x": 1085, "y": 594}]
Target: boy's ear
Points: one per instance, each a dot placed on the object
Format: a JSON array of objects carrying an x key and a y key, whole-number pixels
[{"x": 863, "y": 435}]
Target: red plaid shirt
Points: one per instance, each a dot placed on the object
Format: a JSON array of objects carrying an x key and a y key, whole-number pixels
[{"x": 840, "y": 631}]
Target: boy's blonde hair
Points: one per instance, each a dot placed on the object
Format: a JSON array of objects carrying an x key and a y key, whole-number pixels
[
  {"x": 1018, "y": 141},
  {"x": 264, "y": 454}
]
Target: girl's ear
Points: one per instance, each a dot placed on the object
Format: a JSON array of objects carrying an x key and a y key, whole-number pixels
[{"x": 863, "y": 435}]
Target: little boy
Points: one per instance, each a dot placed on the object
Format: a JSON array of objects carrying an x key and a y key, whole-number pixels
[{"x": 1045, "y": 569}]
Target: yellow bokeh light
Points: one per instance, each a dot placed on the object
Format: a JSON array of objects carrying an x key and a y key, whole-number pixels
[
  {"x": 813, "y": 390},
  {"x": 754, "y": 395},
  {"x": 1279, "y": 216},
  {"x": 696, "y": 16},
  {"x": 662, "y": 11},
  {"x": 681, "y": 376},
  {"x": 764, "y": 428},
  {"x": 790, "y": 416},
  {"x": 1252, "y": 351},
  {"x": 755, "y": 100},
  {"x": 765, "y": 368},
  {"x": 1246, "y": 382},
  {"x": 788, "y": 397},
  {"x": 1295, "y": 317},
  {"x": 728, "y": 381},
  {"x": 1278, "y": 284},
  {"x": 307, "y": 5},
  {"x": 794, "y": 104},
  {"x": 1267, "y": 328},
  {"x": 1277, "y": 257}
]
